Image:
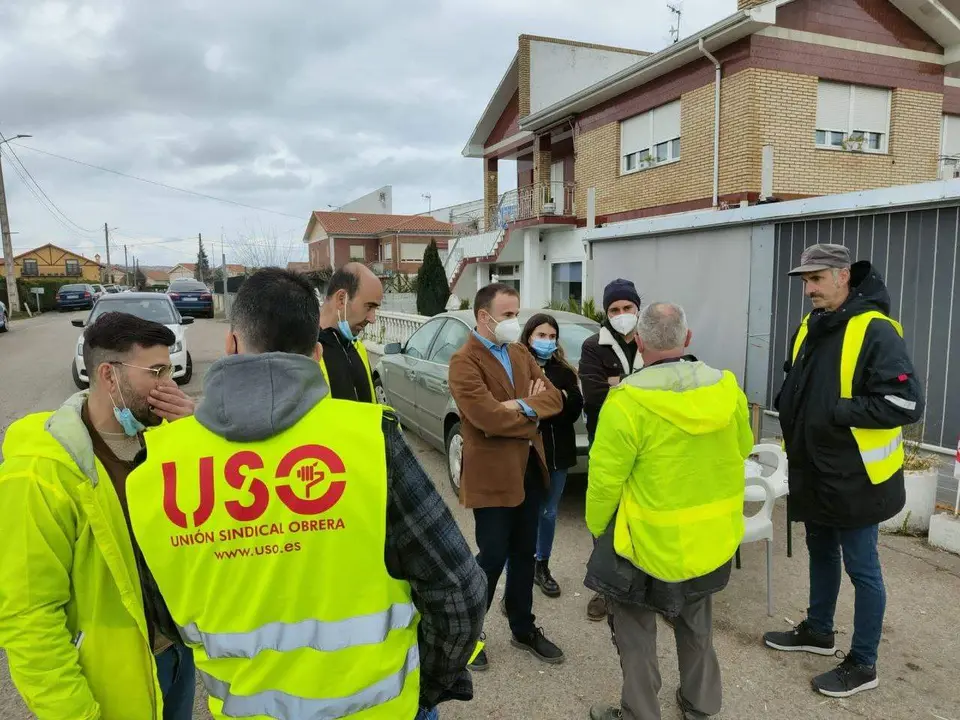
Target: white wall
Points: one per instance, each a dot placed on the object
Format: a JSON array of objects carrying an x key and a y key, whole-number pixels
[
  {"x": 708, "y": 273},
  {"x": 558, "y": 71},
  {"x": 372, "y": 202},
  {"x": 461, "y": 213}
]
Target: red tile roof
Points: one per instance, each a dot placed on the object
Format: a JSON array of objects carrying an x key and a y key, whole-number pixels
[{"x": 344, "y": 223}]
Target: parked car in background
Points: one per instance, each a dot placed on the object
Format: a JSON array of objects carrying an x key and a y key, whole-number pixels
[
  {"x": 3, "y": 318},
  {"x": 191, "y": 297},
  {"x": 112, "y": 289},
  {"x": 412, "y": 379},
  {"x": 79, "y": 296},
  {"x": 149, "y": 306}
]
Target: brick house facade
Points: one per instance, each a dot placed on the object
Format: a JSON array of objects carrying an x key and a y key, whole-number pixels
[{"x": 389, "y": 244}]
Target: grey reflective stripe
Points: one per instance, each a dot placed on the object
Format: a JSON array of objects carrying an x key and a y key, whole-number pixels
[
  {"x": 284, "y": 706},
  {"x": 900, "y": 402},
  {"x": 882, "y": 453},
  {"x": 322, "y": 636}
]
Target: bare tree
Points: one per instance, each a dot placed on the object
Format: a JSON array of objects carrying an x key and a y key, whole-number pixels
[{"x": 258, "y": 246}]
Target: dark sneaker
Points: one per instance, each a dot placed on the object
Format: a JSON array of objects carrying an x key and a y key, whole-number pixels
[
  {"x": 688, "y": 711},
  {"x": 605, "y": 712},
  {"x": 480, "y": 662},
  {"x": 848, "y": 678},
  {"x": 597, "y": 608},
  {"x": 801, "y": 639},
  {"x": 544, "y": 580},
  {"x": 539, "y": 646}
]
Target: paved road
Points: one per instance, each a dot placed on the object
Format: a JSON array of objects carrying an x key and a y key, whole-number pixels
[{"x": 918, "y": 663}]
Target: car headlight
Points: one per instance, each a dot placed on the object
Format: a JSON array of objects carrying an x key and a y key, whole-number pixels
[
  {"x": 177, "y": 346},
  {"x": 80, "y": 348}
]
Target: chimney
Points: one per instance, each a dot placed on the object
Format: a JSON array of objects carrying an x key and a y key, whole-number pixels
[{"x": 747, "y": 4}]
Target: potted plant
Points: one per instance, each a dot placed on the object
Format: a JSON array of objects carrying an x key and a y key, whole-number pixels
[
  {"x": 549, "y": 207},
  {"x": 920, "y": 479},
  {"x": 646, "y": 160},
  {"x": 853, "y": 143}
]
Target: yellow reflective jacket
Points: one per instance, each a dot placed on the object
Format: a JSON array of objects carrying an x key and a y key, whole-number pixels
[
  {"x": 667, "y": 461},
  {"x": 362, "y": 352},
  {"x": 71, "y": 612}
]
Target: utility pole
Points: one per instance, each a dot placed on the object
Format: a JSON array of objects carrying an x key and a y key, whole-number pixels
[
  {"x": 106, "y": 238},
  {"x": 136, "y": 273},
  {"x": 199, "y": 258},
  {"x": 13, "y": 296},
  {"x": 126, "y": 268},
  {"x": 223, "y": 264}
]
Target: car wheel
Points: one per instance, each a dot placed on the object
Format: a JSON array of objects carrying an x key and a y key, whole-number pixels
[
  {"x": 454, "y": 457},
  {"x": 81, "y": 385},
  {"x": 379, "y": 391},
  {"x": 213, "y": 314},
  {"x": 3, "y": 325},
  {"x": 189, "y": 373}
]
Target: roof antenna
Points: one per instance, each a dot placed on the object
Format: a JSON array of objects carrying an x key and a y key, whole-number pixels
[{"x": 677, "y": 10}]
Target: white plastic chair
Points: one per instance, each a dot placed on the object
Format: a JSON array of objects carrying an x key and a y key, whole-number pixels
[
  {"x": 778, "y": 476},
  {"x": 760, "y": 527}
]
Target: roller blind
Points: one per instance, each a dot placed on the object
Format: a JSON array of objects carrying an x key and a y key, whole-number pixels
[
  {"x": 635, "y": 134},
  {"x": 412, "y": 252},
  {"x": 666, "y": 122},
  {"x": 951, "y": 135},
  {"x": 833, "y": 106},
  {"x": 871, "y": 109}
]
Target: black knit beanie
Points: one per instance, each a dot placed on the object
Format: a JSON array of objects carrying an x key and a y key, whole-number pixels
[{"x": 620, "y": 289}]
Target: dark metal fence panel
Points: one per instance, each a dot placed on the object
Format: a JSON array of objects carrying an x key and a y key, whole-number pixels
[{"x": 916, "y": 252}]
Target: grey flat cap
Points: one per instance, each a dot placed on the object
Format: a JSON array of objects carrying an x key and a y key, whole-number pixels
[{"x": 822, "y": 257}]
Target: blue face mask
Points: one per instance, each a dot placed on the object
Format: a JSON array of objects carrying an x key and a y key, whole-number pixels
[
  {"x": 131, "y": 426},
  {"x": 544, "y": 349},
  {"x": 344, "y": 327}
]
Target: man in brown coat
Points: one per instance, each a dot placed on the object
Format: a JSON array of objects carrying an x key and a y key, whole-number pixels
[{"x": 501, "y": 393}]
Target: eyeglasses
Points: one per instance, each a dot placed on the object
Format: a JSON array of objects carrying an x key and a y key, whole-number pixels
[{"x": 164, "y": 372}]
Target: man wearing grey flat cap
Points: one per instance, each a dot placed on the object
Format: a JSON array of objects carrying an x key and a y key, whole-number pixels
[{"x": 849, "y": 389}]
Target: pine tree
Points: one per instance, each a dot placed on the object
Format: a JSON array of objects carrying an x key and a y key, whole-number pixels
[
  {"x": 433, "y": 290},
  {"x": 202, "y": 273}
]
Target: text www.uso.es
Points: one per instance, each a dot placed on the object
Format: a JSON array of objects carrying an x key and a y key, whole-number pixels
[{"x": 274, "y": 549}]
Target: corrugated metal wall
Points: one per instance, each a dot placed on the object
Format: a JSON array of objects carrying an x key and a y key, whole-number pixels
[{"x": 916, "y": 252}]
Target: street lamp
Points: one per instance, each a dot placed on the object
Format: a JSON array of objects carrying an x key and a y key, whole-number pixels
[{"x": 13, "y": 296}]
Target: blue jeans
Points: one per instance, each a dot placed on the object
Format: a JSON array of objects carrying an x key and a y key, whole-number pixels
[
  {"x": 177, "y": 676},
  {"x": 547, "y": 527},
  {"x": 862, "y": 562},
  {"x": 428, "y": 714}
]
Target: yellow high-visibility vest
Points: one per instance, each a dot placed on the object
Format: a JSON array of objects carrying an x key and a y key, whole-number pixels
[
  {"x": 880, "y": 450},
  {"x": 362, "y": 352},
  {"x": 270, "y": 556}
]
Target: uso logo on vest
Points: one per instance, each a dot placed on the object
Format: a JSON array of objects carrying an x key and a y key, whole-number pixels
[{"x": 300, "y": 479}]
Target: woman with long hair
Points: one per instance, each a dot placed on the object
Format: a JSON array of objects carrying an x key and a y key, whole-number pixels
[{"x": 541, "y": 336}]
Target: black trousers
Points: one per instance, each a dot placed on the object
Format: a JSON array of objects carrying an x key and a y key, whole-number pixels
[{"x": 508, "y": 537}]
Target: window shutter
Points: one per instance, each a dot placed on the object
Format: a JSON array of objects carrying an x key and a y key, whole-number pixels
[
  {"x": 833, "y": 107},
  {"x": 871, "y": 109},
  {"x": 666, "y": 122},
  {"x": 635, "y": 134},
  {"x": 951, "y": 136}
]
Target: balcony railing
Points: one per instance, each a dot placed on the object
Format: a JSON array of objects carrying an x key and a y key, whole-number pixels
[{"x": 546, "y": 200}]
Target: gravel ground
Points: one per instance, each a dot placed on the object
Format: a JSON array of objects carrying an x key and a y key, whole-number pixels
[{"x": 918, "y": 661}]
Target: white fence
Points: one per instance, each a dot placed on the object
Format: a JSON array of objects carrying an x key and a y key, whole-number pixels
[{"x": 392, "y": 327}]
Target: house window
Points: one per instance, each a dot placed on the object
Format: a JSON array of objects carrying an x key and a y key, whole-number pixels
[
  {"x": 950, "y": 148},
  {"x": 357, "y": 253},
  {"x": 651, "y": 138},
  {"x": 72, "y": 267},
  {"x": 412, "y": 252},
  {"x": 388, "y": 251},
  {"x": 567, "y": 282},
  {"x": 30, "y": 268},
  {"x": 852, "y": 117}
]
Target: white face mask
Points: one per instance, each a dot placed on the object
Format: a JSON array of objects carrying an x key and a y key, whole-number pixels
[
  {"x": 507, "y": 331},
  {"x": 624, "y": 323}
]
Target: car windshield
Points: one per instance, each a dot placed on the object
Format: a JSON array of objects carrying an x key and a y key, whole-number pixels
[
  {"x": 572, "y": 336},
  {"x": 188, "y": 286},
  {"x": 73, "y": 288},
  {"x": 157, "y": 309}
]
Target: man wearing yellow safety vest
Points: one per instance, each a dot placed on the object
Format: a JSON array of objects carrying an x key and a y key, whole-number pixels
[
  {"x": 304, "y": 554},
  {"x": 665, "y": 499},
  {"x": 849, "y": 388},
  {"x": 353, "y": 296},
  {"x": 87, "y": 635}
]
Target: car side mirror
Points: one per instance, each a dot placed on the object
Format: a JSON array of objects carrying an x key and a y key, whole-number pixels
[
  {"x": 78, "y": 323},
  {"x": 186, "y": 320},
  {"x": 392, "y": 349}
]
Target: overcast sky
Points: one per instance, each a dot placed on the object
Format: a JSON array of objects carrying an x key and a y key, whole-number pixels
[{"x": 288, "y": 106}]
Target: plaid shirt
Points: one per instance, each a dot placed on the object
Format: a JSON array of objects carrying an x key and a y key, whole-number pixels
[{"x": 426, "y": 548}]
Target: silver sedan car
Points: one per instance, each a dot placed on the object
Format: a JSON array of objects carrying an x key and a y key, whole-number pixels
[{"x": 412, "y": 379}]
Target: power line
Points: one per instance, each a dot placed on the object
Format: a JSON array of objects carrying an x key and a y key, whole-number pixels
[
  {"x": 40, "y": 188},
  {"x": 160, "y": 184}
]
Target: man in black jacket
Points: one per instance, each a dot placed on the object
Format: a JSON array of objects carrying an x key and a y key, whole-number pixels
[
  {"x": 605, "y": 359},
  {"x": 850, "y": 387}
]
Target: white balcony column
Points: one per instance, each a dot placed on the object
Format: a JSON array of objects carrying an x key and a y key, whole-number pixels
[{"x": 533, "y": 281}]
